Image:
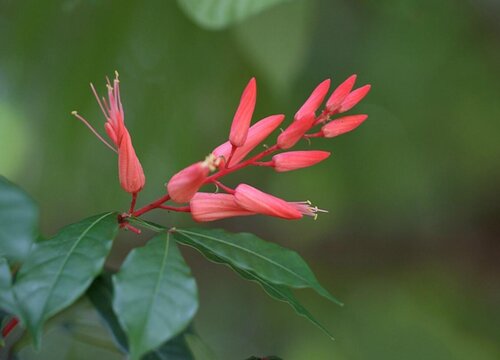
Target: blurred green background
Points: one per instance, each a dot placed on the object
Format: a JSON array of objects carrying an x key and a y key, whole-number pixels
[{"x": 411, "y": 243}]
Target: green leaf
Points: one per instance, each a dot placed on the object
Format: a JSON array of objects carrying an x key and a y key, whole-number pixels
[
  {"x": 7, "y": 301},
  {"x": 18, "y": 221},
  {"x": 100, "y": 294},
  {"x": 59, "y": 270},
  {"x": 278, "y": 292},
  {"x": 218, "y": 14},
  {"x": 155, "y": 295},
  {"x": 247, "y": 252}
]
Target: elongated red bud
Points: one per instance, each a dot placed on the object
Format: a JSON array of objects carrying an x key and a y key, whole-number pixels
[
  {"x": 293, "y": 160},
  {"x": 243, "y": 116},
  {"x": 130, "y": 171},
  {"x": 210, "y": 207},
  {"x": 339, "y": 94},
  {"x": 314, "y": 101},
  {"x": 295, "y": 131},
  {"x": 183, "y": 185},
  {"x": 257, "y": 201},
  {"x": 354, "y": 98},
  {"x": 342, "y": 125},
  {"x": 257, "y": 133}
]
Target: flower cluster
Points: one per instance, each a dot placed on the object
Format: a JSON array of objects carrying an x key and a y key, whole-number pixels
[{"x": 184, "y": 187}]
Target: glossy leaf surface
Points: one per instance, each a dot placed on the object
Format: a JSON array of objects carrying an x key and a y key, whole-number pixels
[
  {"x": 155, "y": 295},
  {"x": 60, "y": 269}
]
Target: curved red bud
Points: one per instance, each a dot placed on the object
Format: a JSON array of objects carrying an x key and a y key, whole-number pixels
[
  {"x": 183, "y": 185},
  {"x": 314, "y": 101},
  {"x": 243, "y": 116},
  {"x": 339, "y": 94},
  {"x": 295, "y": 131},
  {"x": 354, "y": 98},
  {"x": 342, "y": 125},
  {"x": 293, "y": 160}
]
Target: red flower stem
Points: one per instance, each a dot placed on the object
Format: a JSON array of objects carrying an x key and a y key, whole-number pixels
[
  {"x": 263, "y": 163},
  {"x": 151, "y": 206},
  {"x": 224, "y": 187},
  {"x": 314, "y": 135},
  {"x": 173, "y": 208},
  {"x": 132, "y": 204},
  {"x": 9, "y": 327}
]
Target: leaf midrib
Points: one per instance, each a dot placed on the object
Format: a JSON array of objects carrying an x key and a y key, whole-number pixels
[
  {"x": 73, "y": 247},
  {"x": 157, "y": 286},
  {"x": 250, "y": 252}
]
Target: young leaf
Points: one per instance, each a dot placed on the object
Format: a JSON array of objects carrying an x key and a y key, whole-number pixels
[
  {"x": 18, "y": 221},
  {"x": 60, "y": 269},
  {"x": 247, "y": 252},
  {"x": 217, "y": 14},
  {"x": 155, "y": 295},
  {"x": 7, "y": 301},
  {"x": 100, "y": 294}
]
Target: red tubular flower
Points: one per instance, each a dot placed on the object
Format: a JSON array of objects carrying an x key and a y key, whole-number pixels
[
  {"x": 314, "y": 101},
  {"x": 257, "y": 201},
  {"x": 243, "y": 116},
  {"x": 339, "y": 94},
  {"x": 295, "y": 131},
  {"x": 210, "y": 207},
  {"x": 293, "y": 160},
  {"x": 353, "y": 98},
  {"x": 183, "y": 185},
  {"x": 130, "y": 171},
  {"x": 257, "y": 133},
  {"x": 342, "y": 125}
]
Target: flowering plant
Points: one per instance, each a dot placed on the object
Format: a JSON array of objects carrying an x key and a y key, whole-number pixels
[{"x": 154, "y": 296}]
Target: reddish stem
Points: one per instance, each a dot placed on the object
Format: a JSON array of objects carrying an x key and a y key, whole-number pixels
[
  {"x": 132, "y": 204},
  {"x": 173, "y": 208},
  {"x": 224, "y": 187},
  {"x": 263, "y": 163},
  {"x": 9, "y": 327},
  {"x": 151, "y": 206}
]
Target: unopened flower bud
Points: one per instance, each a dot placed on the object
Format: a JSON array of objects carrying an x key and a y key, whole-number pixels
[
  {"x": 342, "y": 125},
  {"x": 243, "y": 115},
  {"x": 314, "y": 101},
  {"x": 210, "y": 207},
  {"x": 295, "y": 131},
  {"x": 293, "y": 160}
]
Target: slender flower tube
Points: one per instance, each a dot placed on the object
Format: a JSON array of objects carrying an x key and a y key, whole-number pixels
[
  {"x": 354, "y": 98},
  {"x": 183, "y": 185},
  {"x": 295, "y": 131},
  {"x": 339, "y": 94},
  {"x": 342, "y": 125},
  {"x": 314, "y": 101},
  {"x": 210, "y": 207},
  {"x": 257, "y": 133},
  {"x": 130, "y": 171},
  {"x": 243, "y": 115},
  {"x": 257, "y": 201},
  {"x": 293, "y": 160}
]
